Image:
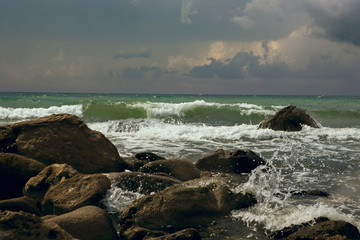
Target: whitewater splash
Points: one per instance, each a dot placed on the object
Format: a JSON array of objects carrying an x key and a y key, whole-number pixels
[{"x": 27, "y": 113}]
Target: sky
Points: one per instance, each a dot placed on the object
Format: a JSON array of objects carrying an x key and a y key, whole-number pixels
[{"x": 286, "y": 47}]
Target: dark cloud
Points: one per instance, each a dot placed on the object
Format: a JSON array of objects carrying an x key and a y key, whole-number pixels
[
  {"x": 141, "y": 72},
  {"x": 129, "y": 55},
  {"x": 339, "y": 19},
  {"x": 242, "y": 65}
]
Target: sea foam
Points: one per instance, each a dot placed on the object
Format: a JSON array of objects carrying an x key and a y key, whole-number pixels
[{"x": 26, "y": 113}]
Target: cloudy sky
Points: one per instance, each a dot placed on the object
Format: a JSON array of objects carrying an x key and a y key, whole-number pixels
[{"x": 181, "y": 46}]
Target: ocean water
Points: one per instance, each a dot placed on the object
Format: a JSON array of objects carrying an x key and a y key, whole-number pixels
[{"x": 189, "y": 126}]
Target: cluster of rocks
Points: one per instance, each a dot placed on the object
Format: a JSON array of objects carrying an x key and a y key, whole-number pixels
[{"x": 55, "y": 171}]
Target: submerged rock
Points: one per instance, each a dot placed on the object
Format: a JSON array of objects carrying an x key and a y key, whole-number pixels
[
  {"x": 144, "y": 183},
  {"x": 319, "y": 229},
  {"x": 26, "y": 226},
  {"x": 62, "y": 138},
  {"x": 90, "y": 223},
  {"x": 290, "y": 118},
  {"x": 185, "y": 205},
  {"x": 15, "y": 171},
  {"x": 230, "y": 162},
  {"x": 177, "y": 168},
  {"x": 60, "y": 189}
]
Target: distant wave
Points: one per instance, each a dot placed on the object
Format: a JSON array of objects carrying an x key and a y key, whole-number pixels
[{"x": 25, "y": 113}]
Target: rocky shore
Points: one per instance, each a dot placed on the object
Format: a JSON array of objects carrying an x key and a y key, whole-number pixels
[{"x": 55, "y": 172}]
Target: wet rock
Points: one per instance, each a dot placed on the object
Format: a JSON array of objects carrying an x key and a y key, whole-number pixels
[
  {"x": 143, "y": 183},
  {"x": 311, "y": 192},
  {"x": 185, "y": 205},
  {"x": 148, "y": 156},
  {"x": 15, "y": 171},
  {"x": 60, "y": 189},
  {"x": 186, "y": 234},
  {"x": 24, "y": 204},
  {"x": 26, "y": 226},
  {"x": 89, "y": 222},
  {"x": 62, "y": 138},
  {"x": 230, "y": 162},
  {"x": 177, "y": 168},
  {"x": 319, "y": 229},
  {"x": 290, "y": 118}
]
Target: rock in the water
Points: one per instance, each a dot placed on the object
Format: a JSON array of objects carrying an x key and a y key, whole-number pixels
[
  {"x": 60, "y": 189},
  {"x": 230, "y": 162},
  {"x": 319, "y": 229},
  {"x": 148, "y": 156},
  {"x": 62, "y": 138},
  {"x": 25, "y": 226},
  {"x": 177, "y": 168},
  {"x": 15, "y": 171},
  {"x": 185, "y": 205},
  {"x": 90, "y": 223},
  {"x": 24, "y": 204},
  {"x": 290, "y": 118},
  {"x": 143, "y": 183},
  {"x": 140, "y": 159}
]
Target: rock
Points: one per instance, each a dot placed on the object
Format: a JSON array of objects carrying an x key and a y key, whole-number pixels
[
  {"x": 185, "y": 205},
  {"x": 89, "y": 222},
  {"x": 230, "y": 162},
  {"x": 60, "y": 189},
  {"x": 38, "y": 185},
  {"x": 290, "y": 118},
  {"x": 177, "y": 168},
  {"x": 135, "y": 233},
  {"x": 319, "y": 229},
  {"x": 26, "y": 226},
  {"x": 148, "y": 156},
  {"x": 62, "y": 138},
  {"x": 186, "y": 234},
  {"x": 143, "y": 183},
  {"x": 24, "y": 204},
  {"x": 15, "y": 171}
]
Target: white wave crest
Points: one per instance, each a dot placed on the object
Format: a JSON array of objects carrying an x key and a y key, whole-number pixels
[
  {"x": 178, "y": 109},
  {"x": 25, "y": 113}
]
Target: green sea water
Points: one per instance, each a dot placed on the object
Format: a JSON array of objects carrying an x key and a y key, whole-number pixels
[{"x": 189, "y": 126}]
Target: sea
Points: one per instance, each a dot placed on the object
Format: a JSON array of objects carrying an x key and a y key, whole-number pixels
[{"x": 190, "y": 126}]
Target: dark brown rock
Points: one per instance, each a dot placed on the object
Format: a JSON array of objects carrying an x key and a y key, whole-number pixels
[
  {"x": 25, "y": 226},
  {"x": 51, "y": 175},
  {"x": 143, "y": 183},
  {"x": 185, "y": 205},
  {"x": 75, "y": 192},
  {"x": 136, "y": 233},
  {"x": 186, "y": 234},
  {"x": 89, "y": 222},
  {"x": 319, "y": 229},
  {"x": 15, "y": 171},
  {"x": 148, "y": 156},
  {"x": 62, "y": 138},
  {"x": 24, "y": 204},
  {"x": 60, "y": 189},
  {"x": 290, "y": 118},
  {"x": 177, "y": 168},
  {"x": 230, "y": 162}
]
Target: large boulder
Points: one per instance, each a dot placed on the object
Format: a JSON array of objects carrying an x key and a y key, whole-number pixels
[
  {"x": 15, "y": 171},
  {"x": 61, "y": 189},
  {"x": 26, "y": 226},
  {"x": 290, "y": 118},
  {"x": 144, "y": 183},
  {"x": 89, "y": 222},
  {"x": 140, "y": 159},
  {"x": 230, "y": 162},
  {"x": 319, "y": 229},
  {"x": 185, "y": 205},
  {"x": 177, "y": 168},
  {"x": 62, "y": 138}
]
